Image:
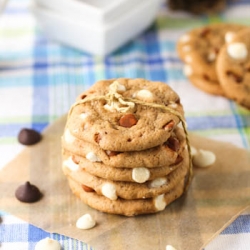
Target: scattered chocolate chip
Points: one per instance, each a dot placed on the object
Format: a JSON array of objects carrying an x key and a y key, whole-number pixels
[
  {"x": 87, "y": 189},
  {"x": 127, "y": 121},
  {"x": 28, "y": 193},
  {"x": 28, "y": 136},
  {"x": 173, "y": 143}
]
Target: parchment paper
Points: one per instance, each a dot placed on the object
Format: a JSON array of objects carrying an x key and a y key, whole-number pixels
[{"x": 216, "y": 196}]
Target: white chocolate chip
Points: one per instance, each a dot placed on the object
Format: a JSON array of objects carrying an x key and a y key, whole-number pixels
[
  {"x": 187, "y": 70},
  {"x": 68, "y": 137},
  {"x": 83, "y": 116},
  {"x": 186, "y": 48},
  {"x": 158, "y": 182},
  {"x": 204, "y": 158},
  {"x": 91, "y": 156},
  {"x": 237, "y": 50},
  {"x": 169, "y": 247},
  {"x": 121, "y": 88},
  {"x": 85, "y": 222},
  {"x": 144, "y": 94},
  {"x": 140, "y": 175},
  {"x": 173, "y": 105},
  {"x": 193, "y": 151},
  {"x": 69, "y": 163},
  {"x": 185, "y": 38},
  {"x": 160, "y": 202},
  {"x": 211, "y": 56},
  {"x": 229, "y": 36},
  {"x": 48, "y": 244},
  {"x": 109, "y": 191},
  {"x": 188, "y": 59}
]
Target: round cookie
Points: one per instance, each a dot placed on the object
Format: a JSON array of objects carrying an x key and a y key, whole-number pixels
[
  {"x": 99, "y": 169},
  {"x": 122, "y": 114},
  {"x": 130, "y": 190},
  {"x": 162, "y": 155},
  {"x": 211, "y": 87},
  {"x": 126, "y": 207},
  {"x": 200, "y": 47},
  {"x": 233, "y": 68}
]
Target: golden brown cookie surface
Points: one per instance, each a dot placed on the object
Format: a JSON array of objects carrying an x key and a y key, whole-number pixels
[{"x": 233, "y": 68}]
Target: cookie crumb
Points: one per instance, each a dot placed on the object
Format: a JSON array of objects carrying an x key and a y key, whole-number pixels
[{"x": 85, "y": 222}]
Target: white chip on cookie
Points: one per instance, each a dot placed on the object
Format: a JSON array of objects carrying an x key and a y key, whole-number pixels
[
  {"x": 188, "y": 59},
  {"x": 68, "y": 137},
  {"x": 140, "y": 175},
  {"x": 69, "y": 163},
  {"x": 121, "y": 88},
  {"x": 144, "y": 94},
  {"x": 187, "y": 70},
  {"x": 229, "y": 36},
  {"x": 186, "y": 48},
  {"x": 109, "y": 191},
  {"x": 83, "y": 116},
  {"x": 211, "y": 56},
  {"x": 48, "y": 244},
  {"x": 204, "y": 158},
  {"x": 160, "y": 202},
  {"x": 158, "y": 182},
  {"x": 237, "y": 51},
  {"x": 185, "y": 38},
  {"x": 85, "y": 222},
  {"x": 91, "y": 156}
]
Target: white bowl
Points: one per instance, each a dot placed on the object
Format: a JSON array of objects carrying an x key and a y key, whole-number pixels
[
  {"x": 97, "y": 11},
  {"x": 94, "y": 38}
]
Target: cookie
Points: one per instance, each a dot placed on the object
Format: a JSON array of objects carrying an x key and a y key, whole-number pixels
[
  {"x": 199, "y": 49},
  {"x": 129, "y": 190},
  {"x": 75, "y": 162},
  {"x": 130, "y": 119},
  {"x": 162, "y": 155},
  {"x": 233, "y": 68},
  {"x": 211, "y": 87},
  {"x": 126, "y": 207},
  {"x": 125, "y": 147}
]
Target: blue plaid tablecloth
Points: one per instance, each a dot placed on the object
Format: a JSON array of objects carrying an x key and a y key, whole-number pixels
[{"x": 40, "y": 79}]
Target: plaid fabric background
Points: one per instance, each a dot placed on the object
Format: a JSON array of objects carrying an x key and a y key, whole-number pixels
[{"x": 39, "y": 80}]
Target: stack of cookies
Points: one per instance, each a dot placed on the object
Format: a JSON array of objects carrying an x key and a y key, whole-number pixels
[
  {"x": 217, "y": 60},
  {"x": 125, "y": 147}
]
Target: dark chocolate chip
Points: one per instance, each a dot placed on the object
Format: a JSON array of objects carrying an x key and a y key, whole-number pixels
[
  {"x": 28, "y": 193},
  {"x": 234, "y": 76},
  {"x": 29, "y": 136},
  {"x": 173, "y": 143},
  {"x": 87, "y": 188}
]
